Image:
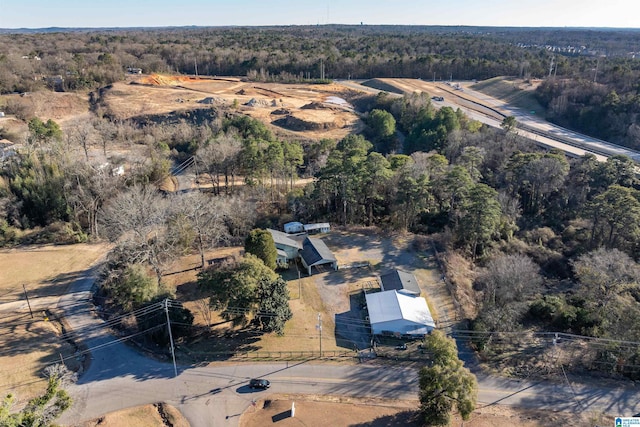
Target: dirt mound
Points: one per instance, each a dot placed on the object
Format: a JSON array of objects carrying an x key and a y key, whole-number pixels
[
  {"x": 281, "y": 112},
  {"x": 253, "y": 102},
  {"x": 298, "y": 124},
  {"x": 210, "y": 100},
  {"x": 319, "y": 106},
  {"x": 161, "y": 80}
]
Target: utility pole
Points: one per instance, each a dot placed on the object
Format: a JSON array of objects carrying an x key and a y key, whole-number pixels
[
  {"x": 319, "y": 326},
  {"x": 173, "y": 355},
  {"x": 195, "y": 60},
  {"x": 27, "y": 297}
]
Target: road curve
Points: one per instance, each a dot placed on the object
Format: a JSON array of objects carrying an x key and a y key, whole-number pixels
[{"x": 119, "y": 377}]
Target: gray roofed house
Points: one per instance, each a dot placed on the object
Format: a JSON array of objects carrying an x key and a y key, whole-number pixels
[
  {"x": 286, "y": 244},
  {"x": 400, "y": 281},
  {"x": 315, "y": 253}
]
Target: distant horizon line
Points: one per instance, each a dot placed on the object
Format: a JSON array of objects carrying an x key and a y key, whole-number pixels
[{"x": 157, "y": 27}]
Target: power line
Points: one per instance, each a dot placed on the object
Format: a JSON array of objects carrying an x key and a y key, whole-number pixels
[
  {"x": 90, "y": 349},
  {"x": 89, "y": 330}
]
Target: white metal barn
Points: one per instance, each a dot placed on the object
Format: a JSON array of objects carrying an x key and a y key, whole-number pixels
[{"x": 392, "y": 312}]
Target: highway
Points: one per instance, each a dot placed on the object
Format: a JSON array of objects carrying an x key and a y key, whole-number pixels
[{"x": 491, "y": 111}]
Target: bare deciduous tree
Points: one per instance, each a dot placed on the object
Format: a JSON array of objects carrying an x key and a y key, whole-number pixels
[
  {"x": 84, "y": 134},
  {"x": 205, "y": 215},
  {"x": 510, "y": 279},
  {"x": 137, "y": 220},
  {"x": 606, "y": 273}
]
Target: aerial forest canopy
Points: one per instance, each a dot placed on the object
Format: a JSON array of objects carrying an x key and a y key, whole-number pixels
[
  {"x": 536, "y": 240},
  {"x": 592, "y": 75}
]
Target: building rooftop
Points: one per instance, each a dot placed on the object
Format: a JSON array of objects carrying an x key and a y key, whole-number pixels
[
  {"x": 392, "y": 305},
  {"x": 400, "y": 280},
  {"x": 281, "y": 238},
  {"x": 315, "y": 251}
]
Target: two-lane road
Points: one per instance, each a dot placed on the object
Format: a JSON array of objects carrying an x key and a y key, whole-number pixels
[{"x": 119, "y": 377}]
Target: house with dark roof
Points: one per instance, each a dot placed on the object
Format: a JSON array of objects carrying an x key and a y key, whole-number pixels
[
  {"x": 315, "y": 253},
  {"x": 400, "y": 281},
  {"x": 392, "y": 312}
]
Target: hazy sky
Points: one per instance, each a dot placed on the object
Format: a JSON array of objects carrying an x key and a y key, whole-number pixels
[{"x": 153, "y": 13}]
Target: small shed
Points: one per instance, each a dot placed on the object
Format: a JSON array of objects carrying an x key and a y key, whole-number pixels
[
  {"x": 293, "y": 227},
  {"x": 400, "y": 281},
  {"x": 397, "y": 313},
  {"x": 316, "y": 253},
  {"x": 317, "y": 228},
  {"x": 284, "y": 243}
]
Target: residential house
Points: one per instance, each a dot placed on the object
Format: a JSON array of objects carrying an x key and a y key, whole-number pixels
[{"x": 286, "y": 247}]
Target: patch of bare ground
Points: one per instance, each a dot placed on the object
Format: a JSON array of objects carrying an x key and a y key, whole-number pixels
[
  {"x": 164, "y": 94},
  {"x": 58, "y": 106},
  {"x": 49, "y": 268},
  {"x": 157, "y": 415},
  {"x": 320, "y": 411},
  {"x": 31, "y": 343},
  {"x": 460, "y": 275}
]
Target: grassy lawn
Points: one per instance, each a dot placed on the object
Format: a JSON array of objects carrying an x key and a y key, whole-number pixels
[{"x": 513, "y": 91}]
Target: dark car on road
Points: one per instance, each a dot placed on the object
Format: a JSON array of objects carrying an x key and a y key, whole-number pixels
[{"x": 259, "y": 383}]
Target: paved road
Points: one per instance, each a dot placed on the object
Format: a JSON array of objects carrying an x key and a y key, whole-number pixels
[{"x": 119, "y": 377}]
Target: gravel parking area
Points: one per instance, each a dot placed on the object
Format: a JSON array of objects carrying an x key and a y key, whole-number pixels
[{"x": 342, "y": 291}]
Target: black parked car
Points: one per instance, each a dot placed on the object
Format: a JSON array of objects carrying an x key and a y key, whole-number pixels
[{"x": 259, "y": 383}]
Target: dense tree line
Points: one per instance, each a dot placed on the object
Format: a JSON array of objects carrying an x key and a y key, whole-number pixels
[
  {"x": 89, "y": 59},
  {"x": 592, "y": 74}
]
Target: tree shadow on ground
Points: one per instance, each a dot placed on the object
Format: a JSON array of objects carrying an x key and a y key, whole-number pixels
[
  {"x": 351, "y": 275},
  {"x": 401, "y": 419},
  {"x": 56, "y": 286}
]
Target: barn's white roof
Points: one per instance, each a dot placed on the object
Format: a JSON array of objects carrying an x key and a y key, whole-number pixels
[{"x": 391, "y": 305}]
